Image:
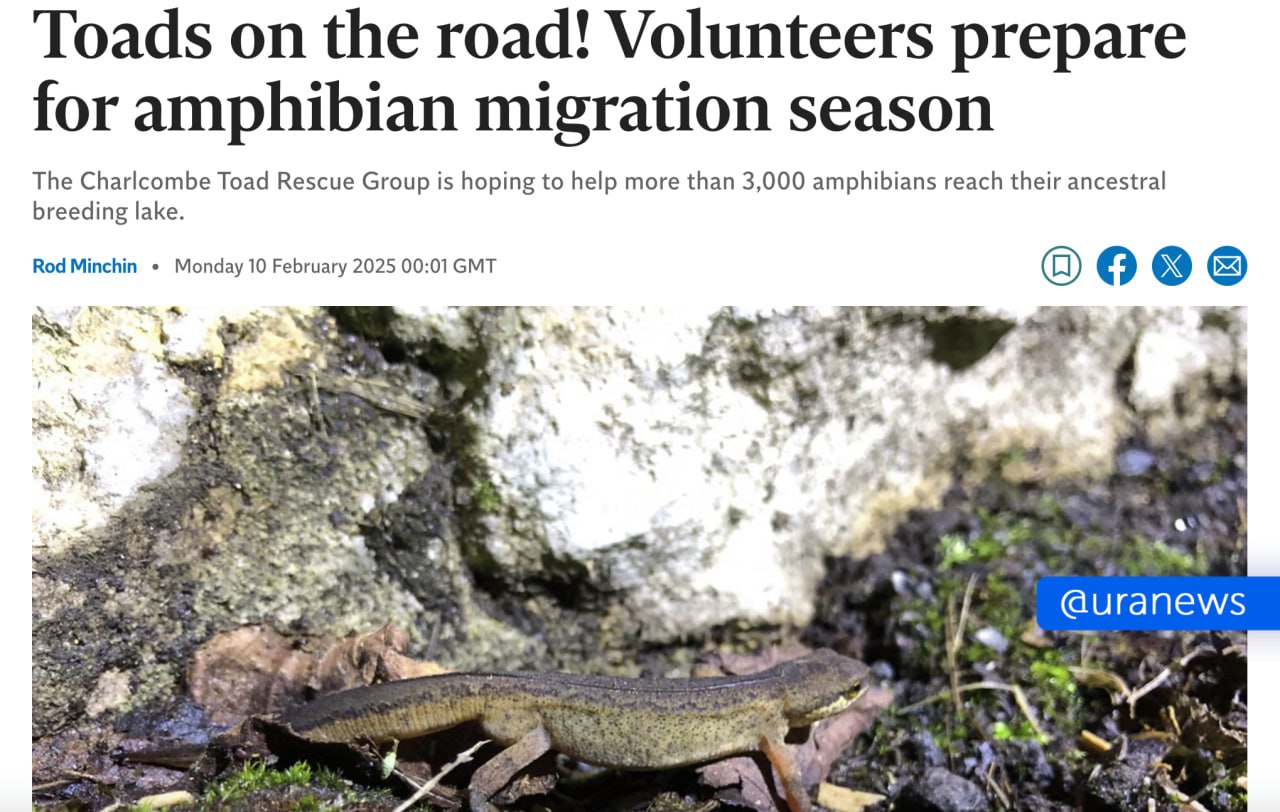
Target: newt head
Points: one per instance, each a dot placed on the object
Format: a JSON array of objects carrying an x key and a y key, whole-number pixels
[{"x": 819, "y": 685}]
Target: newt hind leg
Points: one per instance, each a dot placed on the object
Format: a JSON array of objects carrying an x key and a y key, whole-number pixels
[
  {"x": 498, "y": 771},
  {"x": 789, "y": 773}
]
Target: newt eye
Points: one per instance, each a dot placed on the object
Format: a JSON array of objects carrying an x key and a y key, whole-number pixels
[
  {"x": 842, "y": 700},
  {"x": 850, "y": 695}
]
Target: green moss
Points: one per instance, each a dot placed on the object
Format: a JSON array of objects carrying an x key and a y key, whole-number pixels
[
  {"x": 1145, "y": 557},
  {"x": 486, "y": 497},
  {"x": 1054, "y": 690},
  {"x": 1048, "y": 507},
  {"x": 299, "y": 785},
  {"x": 1003, "y": 607},
  {"x": 1003, "y": 731},
  {"x": 948, "y": 734},
  {"x": 934, "y": 618},
  {"x": 1139, "y": 555},
  {"x": 991, "y": 544},
  {"x": 955, "y": 551},
  {"x": 256, "y": 776},
  {"x": 986, "y": 548},
  {"x": 1053, "y": 675},
  {"x": 456, "y": 437},
  {"x": 1237, "y": 795}
]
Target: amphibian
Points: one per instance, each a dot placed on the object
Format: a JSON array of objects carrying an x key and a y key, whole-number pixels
[{"x": 634, "y": 724}]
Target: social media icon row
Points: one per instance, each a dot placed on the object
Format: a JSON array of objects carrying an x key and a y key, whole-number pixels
[{"x": 1118, "y": 265}]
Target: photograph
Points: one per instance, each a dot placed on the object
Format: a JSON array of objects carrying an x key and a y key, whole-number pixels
[{"x": 654, "y": 558}]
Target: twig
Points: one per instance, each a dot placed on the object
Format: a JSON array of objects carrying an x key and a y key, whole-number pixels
[
  {"x": 61, "y": 782},
  {"x": 949, "y": 650},
  {"x": 1019, "y": 697},
  {"x": 1091, "y": 742},
  {"x": 955, "y": 637},
  {"x": 964, "y": 610},
  {"x": 426, "y": 788},
  {"x": 1159, "y": 679},
  {"x": 1002, "y": 797},
  {"x": 1154, "y": 683},
  {"x": 97, "y": 779}
]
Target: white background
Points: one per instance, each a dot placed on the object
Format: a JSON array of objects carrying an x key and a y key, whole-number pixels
[{"x": 1206, "y": 118}]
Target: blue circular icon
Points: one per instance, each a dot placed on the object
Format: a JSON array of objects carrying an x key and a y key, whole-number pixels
[
  {"x": 1171, "y": 265},
  {"x": 1117, "y": 265},
  {"x": 1227, "y": 265}
]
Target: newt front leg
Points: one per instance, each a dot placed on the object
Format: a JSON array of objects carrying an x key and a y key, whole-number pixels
[{"x": 785, "y": 766}]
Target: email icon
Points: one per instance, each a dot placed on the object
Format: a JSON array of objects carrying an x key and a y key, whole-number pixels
[{"x": 1227, "y": 265}]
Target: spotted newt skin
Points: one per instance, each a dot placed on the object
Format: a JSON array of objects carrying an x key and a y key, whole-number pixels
[{"x": 631, "y": 724}]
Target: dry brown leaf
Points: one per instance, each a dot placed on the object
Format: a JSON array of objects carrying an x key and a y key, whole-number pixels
[
  {"x": 1035, "y": 637},
  {"x": 257, "y": 670},
  {"x": 716, "y": 664},
  {"x": 1102, "y": 679},
  {"x": 833, "y": 735},
  {"x": 741, "y": 779},
  {"x": 1204, "y": 729}
]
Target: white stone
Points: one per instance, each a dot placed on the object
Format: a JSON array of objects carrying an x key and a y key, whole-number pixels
[{"x": 643, "y": 445}]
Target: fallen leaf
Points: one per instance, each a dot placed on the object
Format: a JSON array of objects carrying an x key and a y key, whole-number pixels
[
  {"x": 717, "y": 663},
  {"x": 256, "y": 670},
  {"x": 748, "y": 780},
  {"x": 1035, "y": 637},
  {"x": 1102, "y": 679}
]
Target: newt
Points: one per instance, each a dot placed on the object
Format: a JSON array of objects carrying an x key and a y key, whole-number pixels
[{"x": 616, "y": 722}]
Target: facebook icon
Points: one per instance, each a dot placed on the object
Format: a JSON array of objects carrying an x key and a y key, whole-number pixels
[{"x": 1117, "y": 266}]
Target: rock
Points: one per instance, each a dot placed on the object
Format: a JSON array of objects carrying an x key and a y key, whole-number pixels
[
  {"x": 108, "y": 416},
  {"x": 709, "y": 460},
  {"x": 1117, "y": 787},
  {"x": 1181, "y": 353},
  {"x": 940, "y": 790},
  {"x": 991, "y": 637},
  {"x": 1134, "y": 461}
]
